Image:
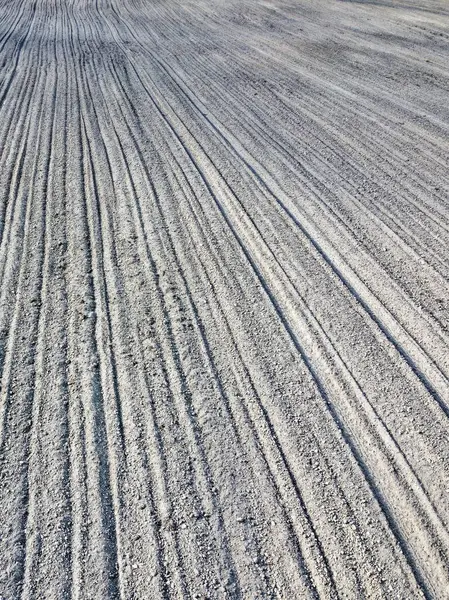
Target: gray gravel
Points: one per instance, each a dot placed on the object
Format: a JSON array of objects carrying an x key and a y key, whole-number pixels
[{"x": 224, "y": 289}]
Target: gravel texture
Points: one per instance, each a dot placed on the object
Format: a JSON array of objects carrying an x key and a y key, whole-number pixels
[{"x": 224, "y": 299}]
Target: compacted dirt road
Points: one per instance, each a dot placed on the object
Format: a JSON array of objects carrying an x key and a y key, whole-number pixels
[{"x": 224, "y": 344}]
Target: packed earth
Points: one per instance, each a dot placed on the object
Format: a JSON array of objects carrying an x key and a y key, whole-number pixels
[{"x": 224, "y": 299}]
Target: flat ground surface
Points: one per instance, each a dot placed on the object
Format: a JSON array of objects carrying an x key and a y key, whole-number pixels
[{"x": 224, "y": 344}]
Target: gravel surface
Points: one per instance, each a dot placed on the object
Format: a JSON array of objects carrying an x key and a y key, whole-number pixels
[{"x": 224, "y": 299}]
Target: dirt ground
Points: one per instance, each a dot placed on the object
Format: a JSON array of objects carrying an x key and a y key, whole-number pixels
[{"x": 224, "y": 299}]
